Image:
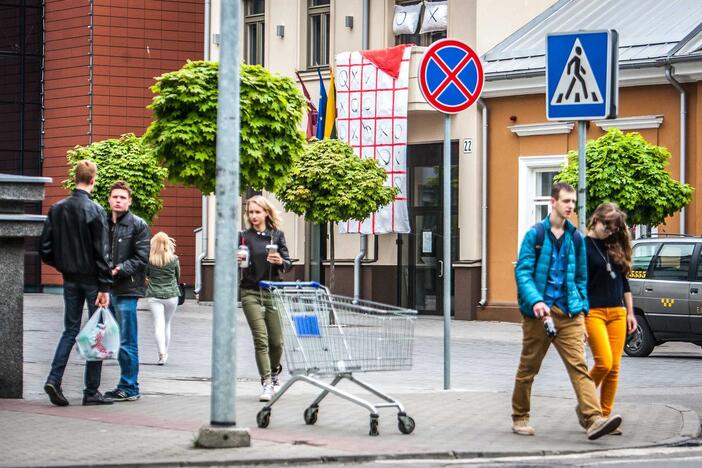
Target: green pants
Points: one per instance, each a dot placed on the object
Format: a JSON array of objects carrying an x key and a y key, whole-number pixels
[{"x": 262, "y": 315}]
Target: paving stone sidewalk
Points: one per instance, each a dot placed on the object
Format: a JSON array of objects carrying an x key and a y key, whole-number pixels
[{"x": 159, "y": 429}]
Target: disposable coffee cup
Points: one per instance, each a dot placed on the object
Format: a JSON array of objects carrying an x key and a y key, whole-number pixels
[{"x": 272, "y": 248}]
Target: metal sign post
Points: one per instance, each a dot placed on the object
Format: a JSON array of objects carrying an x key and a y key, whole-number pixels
[
  {"x": 222, "y": 431},
  {"x": 582, "y": 84},
  {"x": 451, "y": 79}
]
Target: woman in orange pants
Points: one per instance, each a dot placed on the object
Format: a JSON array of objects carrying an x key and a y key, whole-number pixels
[{"x": 611, "y": 315}]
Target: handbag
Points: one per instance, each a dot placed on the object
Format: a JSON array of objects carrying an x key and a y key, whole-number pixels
[{"x": 181, "y": 293}]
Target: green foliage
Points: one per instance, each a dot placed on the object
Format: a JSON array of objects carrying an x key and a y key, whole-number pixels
[
  {"x": 628, "y": 170},
  {"x": 127, "y": 158},
  {"x": 330, "y": 183},
  {"x": 184, "y": 129}
]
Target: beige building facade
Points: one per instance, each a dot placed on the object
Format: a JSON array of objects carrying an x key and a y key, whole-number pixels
[{"x": 287, "y": 36}]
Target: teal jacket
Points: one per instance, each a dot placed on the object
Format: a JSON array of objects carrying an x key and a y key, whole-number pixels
[{"x": 531, "y": 279}]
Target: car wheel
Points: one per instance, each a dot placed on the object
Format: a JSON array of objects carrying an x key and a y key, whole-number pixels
[{"x": 642, "y": 342}]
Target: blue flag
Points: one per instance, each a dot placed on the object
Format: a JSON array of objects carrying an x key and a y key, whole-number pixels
[{"x": 321, "y": 108}]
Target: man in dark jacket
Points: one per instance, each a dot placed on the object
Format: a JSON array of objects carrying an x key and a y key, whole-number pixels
[
  {"x": 128, "y": 255},
  {"x": 74, "y": 241}
]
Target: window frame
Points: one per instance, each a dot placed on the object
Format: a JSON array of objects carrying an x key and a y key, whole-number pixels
[
  {"x": 321, "y": 11},
  {"x": 656, "y": 247},
  {"x": 257, "y": 21},
  {"x": 690, "y": 271},
  {"x": 420, "y": 40},
  {"x": 529, "y": 166}
]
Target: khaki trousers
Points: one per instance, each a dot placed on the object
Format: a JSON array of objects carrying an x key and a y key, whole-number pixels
[{"x": 570, "y": 346}]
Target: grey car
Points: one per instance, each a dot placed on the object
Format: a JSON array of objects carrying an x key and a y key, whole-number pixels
[{"x": 666, "y": 283}]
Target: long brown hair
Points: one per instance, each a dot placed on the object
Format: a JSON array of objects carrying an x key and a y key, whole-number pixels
[{"x": 618, "y": 243}]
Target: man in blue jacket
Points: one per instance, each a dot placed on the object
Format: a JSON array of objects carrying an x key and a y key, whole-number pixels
[{"x": 551, "y": 276}]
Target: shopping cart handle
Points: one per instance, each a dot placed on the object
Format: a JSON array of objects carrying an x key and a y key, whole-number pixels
[{"x": 288, "y": 284}]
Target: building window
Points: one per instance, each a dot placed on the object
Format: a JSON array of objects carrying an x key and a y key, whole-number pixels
[
  {"x": 535, "y": 181},
  {"x": 318, "y": 33},
  {"x": 417, "y": 38},
  {"x": 255, "y": 37}
]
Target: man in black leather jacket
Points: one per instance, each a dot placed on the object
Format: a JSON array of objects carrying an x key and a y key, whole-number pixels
[
  {"x": 128, "y": 255},
  {"x": 74, "y": 241}
]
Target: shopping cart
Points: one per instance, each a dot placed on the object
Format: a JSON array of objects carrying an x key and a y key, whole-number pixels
[{"x": 329, "y": 335}]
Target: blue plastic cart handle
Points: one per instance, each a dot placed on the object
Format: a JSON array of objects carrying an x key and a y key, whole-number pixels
[{"x": 288, "y": 284}]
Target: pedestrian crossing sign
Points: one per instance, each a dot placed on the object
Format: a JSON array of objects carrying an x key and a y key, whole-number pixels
[{"x": 582, "y": 75}]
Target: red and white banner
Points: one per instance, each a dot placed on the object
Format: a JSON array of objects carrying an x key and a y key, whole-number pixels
[{"x": 371, "y": 115}]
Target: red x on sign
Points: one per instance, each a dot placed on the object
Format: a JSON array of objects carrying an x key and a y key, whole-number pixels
[{"x": 450, "y": 76}]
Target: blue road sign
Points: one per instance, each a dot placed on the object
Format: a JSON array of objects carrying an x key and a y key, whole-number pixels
[
  {"x": 450, "y": 76},
  {"x": 582, "y": 75}
]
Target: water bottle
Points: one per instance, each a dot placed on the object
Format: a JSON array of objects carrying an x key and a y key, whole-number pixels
[
  {"x": 244, "y": 253},
  {"x": 550, "y": 327}
]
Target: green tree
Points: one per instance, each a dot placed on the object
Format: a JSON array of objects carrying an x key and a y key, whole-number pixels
[
  {"x": 330, "y": 184},
  {"x": 628, "y": 170},
  {"x": 126, "y": 158},
  {"x": 184, "y": 129}
]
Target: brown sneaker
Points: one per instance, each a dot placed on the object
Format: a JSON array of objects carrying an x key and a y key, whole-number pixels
[
  {"x": 522, "y": 427},
  {"x": 603, "y": 426},
  {"x": 581, "y": 418}
]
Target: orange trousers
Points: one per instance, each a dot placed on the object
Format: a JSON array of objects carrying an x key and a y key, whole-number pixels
[{"x": 606, "y": 329}]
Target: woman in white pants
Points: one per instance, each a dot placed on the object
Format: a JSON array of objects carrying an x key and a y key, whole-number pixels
[{"x": 162, "y": 274}]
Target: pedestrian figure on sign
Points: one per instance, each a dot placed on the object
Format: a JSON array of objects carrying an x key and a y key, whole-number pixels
[{"x": 575, "y": 64}]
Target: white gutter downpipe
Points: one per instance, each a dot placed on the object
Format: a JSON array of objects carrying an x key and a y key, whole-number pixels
[
  {"x": 484, "y": 195},
  {"x": 363, "y": 241},
  {"x": 669, "y": 74},
  {"x": 205, "y": 200}
]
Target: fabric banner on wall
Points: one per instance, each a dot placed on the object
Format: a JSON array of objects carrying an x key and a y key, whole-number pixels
[{"x": 371, "y": 115}]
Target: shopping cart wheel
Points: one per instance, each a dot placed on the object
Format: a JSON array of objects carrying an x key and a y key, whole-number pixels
[
  {"x": 311, "y": 415},
  {"x": 373, "y": 425},
  {"x": 405, "y": 423},
  {"x": 263, "y": 418}
]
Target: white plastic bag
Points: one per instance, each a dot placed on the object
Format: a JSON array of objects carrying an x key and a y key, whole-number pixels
[
  {"x": 406, "y": 19},
  {"x": 99, "y": 341},
  {"x": 435, "y": 17}
]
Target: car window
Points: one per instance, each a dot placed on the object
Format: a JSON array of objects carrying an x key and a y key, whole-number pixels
[
  {"x": 641, "y": 258},
  {"x": 672, "y": 262},
  {"x": 699, "y": 267}
]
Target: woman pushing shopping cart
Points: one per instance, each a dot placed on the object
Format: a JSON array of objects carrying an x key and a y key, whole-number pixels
[{"x": 327, "y": 335}]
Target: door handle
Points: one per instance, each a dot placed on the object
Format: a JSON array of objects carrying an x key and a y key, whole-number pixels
[
  {"x": 694, "y": 291},
  {"x": 441, "y": 268},
  {"x": 648, "y": 289}
]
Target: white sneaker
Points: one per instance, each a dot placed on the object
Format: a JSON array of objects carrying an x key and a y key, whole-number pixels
[
  {"x": 276, "y": 384},
  {"x": 162, "y": 358},
  {"x": 267, "y": 392}
]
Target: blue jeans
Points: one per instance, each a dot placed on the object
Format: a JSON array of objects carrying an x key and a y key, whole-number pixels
[
  {"x": 74, "y": 296},
  {"x": 125, "y": 310}
]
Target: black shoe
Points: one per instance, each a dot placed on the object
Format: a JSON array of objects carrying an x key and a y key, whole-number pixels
[
  {"x": 120, "y": 395},
  {"x": 96, "y": 399},
  {"x": 55, "y": 394}
]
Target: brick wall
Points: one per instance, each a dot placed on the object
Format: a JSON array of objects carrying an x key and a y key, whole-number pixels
[{"x": 133, "y": 42}]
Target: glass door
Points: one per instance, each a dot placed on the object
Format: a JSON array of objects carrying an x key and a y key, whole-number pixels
[{"x": 423, "y": 253}]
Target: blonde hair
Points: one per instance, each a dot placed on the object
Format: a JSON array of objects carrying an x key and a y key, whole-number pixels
[
  {"x": 162, "y": 249},
  {"x": 272, "y": 218}
]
